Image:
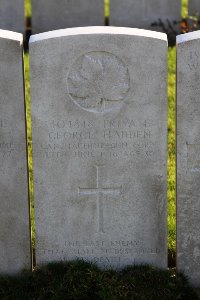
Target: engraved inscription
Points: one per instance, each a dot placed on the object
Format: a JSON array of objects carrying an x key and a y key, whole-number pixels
[
  {"x": 119, "y": 138},
  {"x": 104, "y": 251},
  {"x": 99, "y": 191},
  {"x": 98, "y": 81}
]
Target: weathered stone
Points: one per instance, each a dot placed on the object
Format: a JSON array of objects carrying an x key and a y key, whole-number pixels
[
  {"x": 194, "y": 7},
  {"x": 159, "y": 15},
  {"x": 12, "y": 15},
  {"x": 188, "y": 155},
  {"x": 99, "y": 113},
  {"x": 48, "y": 15},
  {"x": 14, "y": 207}
]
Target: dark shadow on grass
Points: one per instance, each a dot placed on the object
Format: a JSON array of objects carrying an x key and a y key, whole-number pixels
[{"x": 81, "y": 280}]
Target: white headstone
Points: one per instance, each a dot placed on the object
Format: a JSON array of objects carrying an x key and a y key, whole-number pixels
[
  {"x": 188, "y": 155},
  {"x": 146, "y": 14},
  {"x": 12, "y": 16},
  {"x": 15, "y": 253},
  {"x": 49, "y": 15},
  {"x": 99, "y": 113},
  {"x": 194, "y": 7}
]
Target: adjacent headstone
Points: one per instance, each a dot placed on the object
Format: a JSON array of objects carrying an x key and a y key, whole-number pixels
[
  {"x": 194, "y": 7},
  {"x": 188, "y": 155},
  {"x": 15, "y": 253},
  {"x": 162, "y": 15},
  {"x": 12, "y": 15},
  {"x": 49, "y": 15},
  {"x": 99, "y": 113}
]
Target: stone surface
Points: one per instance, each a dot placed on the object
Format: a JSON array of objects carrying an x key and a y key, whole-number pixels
[
  {"x": 48, "y": 15},
  {"x": 188, "y": 156},
  {"x": 99, "y": 109},
  {"x": 194, "y": 7},
  {"x": 147, "y": 14},
  {"x": 12, "y": 15},
  {"x": 14, "y": 206}
]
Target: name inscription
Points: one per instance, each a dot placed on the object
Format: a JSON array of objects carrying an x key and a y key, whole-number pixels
[{"x": 103, "y": 139}]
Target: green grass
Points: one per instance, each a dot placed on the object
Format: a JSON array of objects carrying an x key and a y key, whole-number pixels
[
  {"x": 29, "y": 134},
  {"x": 28, "y": 8},
  {"x": 107, "y": 8},
  {"x": 80, "y": 280},
  {"x": 184, "y": 8},
  {"x": 171, "y": 152}
]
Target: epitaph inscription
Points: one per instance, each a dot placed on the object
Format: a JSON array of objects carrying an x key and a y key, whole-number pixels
[{"x": 112, "y": 252}]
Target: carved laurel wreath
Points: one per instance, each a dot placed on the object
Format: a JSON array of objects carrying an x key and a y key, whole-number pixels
[{"x": 97, "y": 78}]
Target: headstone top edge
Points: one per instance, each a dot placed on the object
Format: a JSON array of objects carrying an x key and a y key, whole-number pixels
[
  {"x": 11, "y": 35},
  {"x": 98, "y": 30},
  {"x": 186, "y": 37}
]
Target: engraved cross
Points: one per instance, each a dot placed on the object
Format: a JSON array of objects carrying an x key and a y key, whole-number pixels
[{"x": 99, "y": 191}]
